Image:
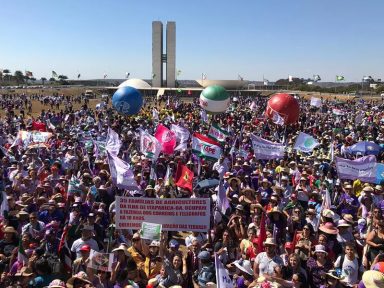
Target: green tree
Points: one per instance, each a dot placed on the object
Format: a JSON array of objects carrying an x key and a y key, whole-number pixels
[
  {"x": 19, "y": 77},
  {"x": 6, "y": 74},
  {"x": 43, "y": 79},
  {"x": 52, "y": 79}
]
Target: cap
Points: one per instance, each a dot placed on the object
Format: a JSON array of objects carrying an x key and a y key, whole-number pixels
[
  {"x": 174, "y": 244},
  {"x": 85, "y": 248},
  {"x": 154, "y": 243},
  {"x": 204, "y": 255}
]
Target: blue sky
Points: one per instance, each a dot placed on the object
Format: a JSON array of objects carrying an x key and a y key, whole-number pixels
[{"x": 274, "y": 38}]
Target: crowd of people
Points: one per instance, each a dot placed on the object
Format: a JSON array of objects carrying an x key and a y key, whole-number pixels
[{"x": 275, "y": 232}]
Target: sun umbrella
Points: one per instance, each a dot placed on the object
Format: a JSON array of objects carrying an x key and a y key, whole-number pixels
[
  {"x": 207, "y": 183},
  {"x": 366, "y": 148}
]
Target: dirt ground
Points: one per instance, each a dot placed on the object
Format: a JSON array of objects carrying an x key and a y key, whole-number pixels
[{"x": 37, "y": 107}]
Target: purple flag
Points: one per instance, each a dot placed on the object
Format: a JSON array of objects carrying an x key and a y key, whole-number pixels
[
  {"x": 113, "y": 142},
  {"x": 363, "y": 168},
  {"x": 122, "y": 175},
  {"x": 265, "y": 149}
]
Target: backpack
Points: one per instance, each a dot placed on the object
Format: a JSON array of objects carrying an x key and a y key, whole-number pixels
[{"x": 55, "y": 264}]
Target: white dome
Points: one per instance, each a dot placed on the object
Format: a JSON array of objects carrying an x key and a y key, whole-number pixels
[{"x": 135, "y": 83}]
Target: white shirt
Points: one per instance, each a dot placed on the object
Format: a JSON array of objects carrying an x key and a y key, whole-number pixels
[
  {"x": 201, "y": 238},
  {"x": 266, "y": 264},
  {"x": 220, "y": 168},
  {"x": 350, "y": 269},
  {"x": 80, "y": 242}
]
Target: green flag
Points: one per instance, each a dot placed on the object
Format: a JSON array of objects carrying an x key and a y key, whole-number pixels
[
  {"x": 54, "y": 74},
  {"x": 339, "y": 78}
]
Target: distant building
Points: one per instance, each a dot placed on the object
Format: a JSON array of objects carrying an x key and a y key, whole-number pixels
[{"x": 158, "y": 56}]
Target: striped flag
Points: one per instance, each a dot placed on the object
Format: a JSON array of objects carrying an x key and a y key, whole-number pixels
[
  {"x": 63, "y": 251},
  {"x": 204, "y": 147},
  {"x": 217, "y": 133},
  {"x": 28, "y": 74}
]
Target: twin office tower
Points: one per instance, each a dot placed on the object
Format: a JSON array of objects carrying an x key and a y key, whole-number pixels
[{"x": 158, "y": 57}]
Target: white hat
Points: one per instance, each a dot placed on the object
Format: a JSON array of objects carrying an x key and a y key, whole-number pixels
[
  {"x": 343, "y": 223},
  {"x": 244, "y": 265},
  {"x": 320, "y": 248}
]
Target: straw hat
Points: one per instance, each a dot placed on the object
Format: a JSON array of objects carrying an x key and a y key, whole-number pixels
[
  {"x": 9, "y": 229},
  {"x": 236, "y": 179},
  {"x": 123, "y": 248},
  {"x": 270, "y": 241},
  {"x": 24, "y": 271},
  {"x": 82, "y": 276},
  {"x": 365, "y": 189},
  {"x": 373, "y": 279},
  {"x": 248, "y": 189},
  {"x": 348, "y": 218},
  {"x": 275, "y": 210},
  {"x": 149, "y": 187},
  {"x": 265, "y": 180}
]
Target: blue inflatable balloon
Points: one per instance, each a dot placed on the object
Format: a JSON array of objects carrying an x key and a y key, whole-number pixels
[{"x": 127, "y": 100}]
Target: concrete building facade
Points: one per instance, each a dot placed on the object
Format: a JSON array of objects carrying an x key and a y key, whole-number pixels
[
  {"x": 157, "y": 54},
  {"x": 159, "y": 57}
]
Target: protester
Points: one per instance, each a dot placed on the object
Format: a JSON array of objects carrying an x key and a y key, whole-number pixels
[{"x": 294, "y": 219}]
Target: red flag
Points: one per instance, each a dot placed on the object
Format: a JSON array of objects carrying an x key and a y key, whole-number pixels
[
  {"x": 184, "y": 177},
  {"x": 64, "y": 252},
  {"x": 39, "y": 126},
  {"x": 167, "y": 138},
  {"x": 263, "y": 234}
]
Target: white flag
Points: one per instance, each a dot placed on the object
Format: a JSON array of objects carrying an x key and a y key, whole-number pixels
[
  {"x": 155, "y": 114},
  {"x": 305, "y": 143},
  {"x": 203, "y": 116},
  {"x": 290, "y": 78},
  {"x": 149, "y": 145},
  {"x": 50, "y": 125},
  {"x": 316, "y": 102},
  {"x": 277, "y": 119},
  {"x": 182, "y": 136},
  {"x": 113, "y": 142},
  {"x": 121, "y": 173},
  {"x": 222, "y": 276},
  {"x": 222, "y": 201},
  {"x": 253, "y": 106},
  {"x": 332, "y": 152}
]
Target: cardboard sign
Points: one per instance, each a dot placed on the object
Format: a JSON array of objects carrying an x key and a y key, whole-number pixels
[{"x": 183, "y": 214}]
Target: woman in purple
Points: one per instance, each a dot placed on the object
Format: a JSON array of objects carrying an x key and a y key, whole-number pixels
[{"x": 317, "y": 266}]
